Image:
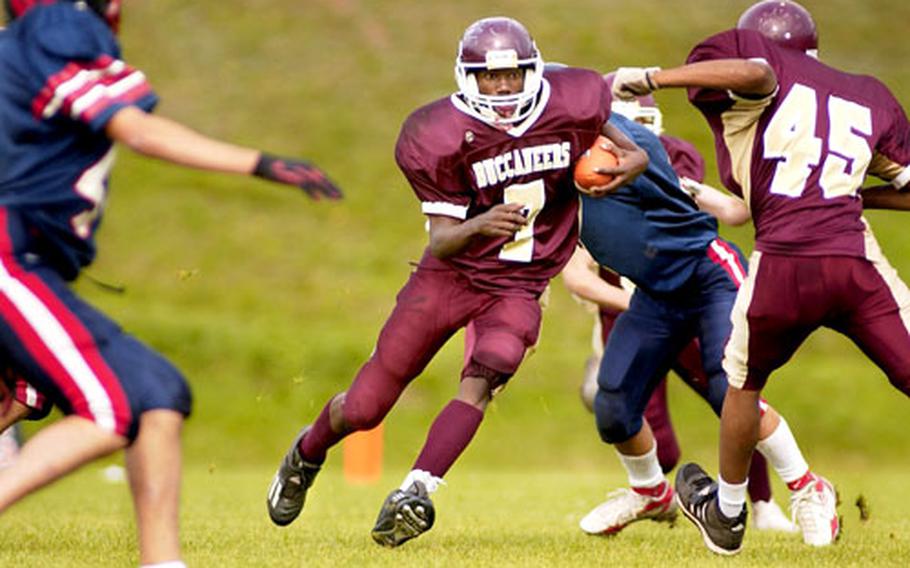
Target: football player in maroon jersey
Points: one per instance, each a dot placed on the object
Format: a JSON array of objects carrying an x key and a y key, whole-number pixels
[
  {"x": 795, "y": 139},
  {"x": 492, "y": 167}
]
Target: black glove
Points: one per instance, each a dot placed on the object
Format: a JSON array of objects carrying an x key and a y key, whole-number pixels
[{"x": 300, "y": 173}]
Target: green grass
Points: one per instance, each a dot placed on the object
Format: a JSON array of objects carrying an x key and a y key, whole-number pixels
[
  {"x": 270, "y": 303},
  {"x": 507, "y": 517}
]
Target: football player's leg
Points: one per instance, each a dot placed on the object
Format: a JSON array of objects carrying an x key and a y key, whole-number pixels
[
  {"x": 153, "y": 464},
  {"x": 414, "y": 332},
  {"x": 767, "y": 327},
  {"x": 657, "y": 415},
  {"x": 503, "y": 332},
  {"x": 53, "y": 338},
  {"x": 53, "y": 452},
  {"x": 880, "y": 323},
  {"x": 637, "y": 356},
  {"x": 500, "y": 334},
  {"x": 153, "y": 460},
  {"x": 710, "y": 381},
  {"x": 603, "y": 325},
  {"x": 769, "y": 324}
]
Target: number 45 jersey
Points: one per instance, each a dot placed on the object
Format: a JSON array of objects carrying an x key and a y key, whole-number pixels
[
  {"x": 799, "y": 156},
  {"x": 460, "y": 167},
  {"x": 61, "y": 81}
]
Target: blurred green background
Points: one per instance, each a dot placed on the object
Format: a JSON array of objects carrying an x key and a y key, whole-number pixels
[{"x": 270, "y": 302}]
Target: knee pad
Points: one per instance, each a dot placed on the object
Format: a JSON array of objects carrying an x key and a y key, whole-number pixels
[
  {"x": 362, "y": 413},
  {"x": 496, "y": 380},
  {"x": 616, "y": 420},
  {"x": 499, "y": 352}
]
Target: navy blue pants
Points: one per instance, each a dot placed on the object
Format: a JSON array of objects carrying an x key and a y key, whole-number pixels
[
  {"x": 649, "y": 336},
  {"x": 72, "y": 354}
]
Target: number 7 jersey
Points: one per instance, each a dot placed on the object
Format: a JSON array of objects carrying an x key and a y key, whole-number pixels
[
  {"x": 460, "y": 167},
  {"x": 799, "y": 156}
]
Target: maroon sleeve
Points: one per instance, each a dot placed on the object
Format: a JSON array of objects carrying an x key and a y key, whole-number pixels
[
  {"x": 731, "y": 44},
  {"x": 421, "y": 164},
  {"x": 894, "y": 144}
]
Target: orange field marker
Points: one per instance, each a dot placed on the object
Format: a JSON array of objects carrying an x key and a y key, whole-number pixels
[{"x": 363, "y": 456}]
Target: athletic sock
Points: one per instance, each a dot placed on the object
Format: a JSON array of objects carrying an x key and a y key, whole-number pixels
[
  {"x": 448, "y": 437},
  {"x": 319, "y": 439},
  {"x": 783, "y": 453},
  {"x": 731, "y": 497},
  {"x": 644, "y": 470},
  {"x": 430, "y": 481},
  {"x": 170, "y": 564}
]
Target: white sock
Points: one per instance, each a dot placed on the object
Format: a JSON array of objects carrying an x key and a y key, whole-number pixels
[
  {"x": 731, "y": 497},
  {"x": 169, "y": 564},
  {"x": 644, "y": 470},
  {"x": 430, "y": 481},
  {"x": 782, "y": 452}
]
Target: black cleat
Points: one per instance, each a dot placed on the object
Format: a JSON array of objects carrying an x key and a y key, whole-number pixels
[
  {"x": 287, "y": 492},
  {"x": 404, "y": 515},
  {"x": 696, "y": 494}
]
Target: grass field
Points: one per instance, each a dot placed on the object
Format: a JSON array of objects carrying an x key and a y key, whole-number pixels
[
  {"x": 269, "y": 303},
  {"x": 509, "y": 517}
]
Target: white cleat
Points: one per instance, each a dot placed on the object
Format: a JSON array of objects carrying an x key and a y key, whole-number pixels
[
  {"x": 814, "y": 509},
  {"x": 625, "y": 506},
  {"x": 767, "y": 516}
]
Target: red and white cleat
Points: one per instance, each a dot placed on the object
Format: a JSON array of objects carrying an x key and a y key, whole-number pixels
[{"x": 625, "y": 506}]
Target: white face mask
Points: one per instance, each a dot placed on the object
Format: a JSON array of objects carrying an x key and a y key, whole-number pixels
[{"x": 516, "y": 107}]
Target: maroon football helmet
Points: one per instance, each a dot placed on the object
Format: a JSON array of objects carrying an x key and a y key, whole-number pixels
[
  {"x": 107, "y": 9},
  {"x": 785, "y": 22},
  {"x": 498, "y": 43}
]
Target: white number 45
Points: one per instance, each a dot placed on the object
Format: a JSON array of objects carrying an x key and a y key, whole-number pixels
[{"x": 791, "y": 137}]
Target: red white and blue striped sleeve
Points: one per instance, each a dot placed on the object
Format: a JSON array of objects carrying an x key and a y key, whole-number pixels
[{"x": 92, "y": 92}]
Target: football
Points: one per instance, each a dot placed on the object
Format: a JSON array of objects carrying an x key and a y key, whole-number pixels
[{"x": 597, "y": 156}]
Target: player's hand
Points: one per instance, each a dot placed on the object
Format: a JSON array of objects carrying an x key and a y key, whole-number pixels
[
  {"x": 631, "y": 82},
  {"x": 502, "y": 220},
  {"x": 300, "y": 173},
  {"x": 690, "y": 186},
  {"x": 631, "y": 164}
]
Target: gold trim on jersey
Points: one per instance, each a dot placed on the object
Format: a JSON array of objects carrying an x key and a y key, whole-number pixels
[
  {"x": 884, "y": 168},
  {"x": 740, "y": 128},
  {"x": 736, "y": 353},
  {"x": 893, "y": 281}
]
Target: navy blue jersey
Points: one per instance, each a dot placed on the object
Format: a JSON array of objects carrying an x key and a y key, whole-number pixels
[
  {"x": 649, "y": 231},
  {"x": 61, "y": 81}
]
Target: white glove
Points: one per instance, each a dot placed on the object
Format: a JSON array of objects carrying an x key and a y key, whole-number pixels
[
  {"x": 690, "y": 186},
  {"x": 631, "y": 82}
]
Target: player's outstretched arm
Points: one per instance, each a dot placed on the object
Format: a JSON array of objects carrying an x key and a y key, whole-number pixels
[
  {"x": 742, "y": 76},
  {"x": 580, "y": 277},
  {"x": 886, "y": 197},
  {"x": 728, "y": 209},
  {"x": 168, "y": 140},
  {"x": 450, "y": 236}
]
